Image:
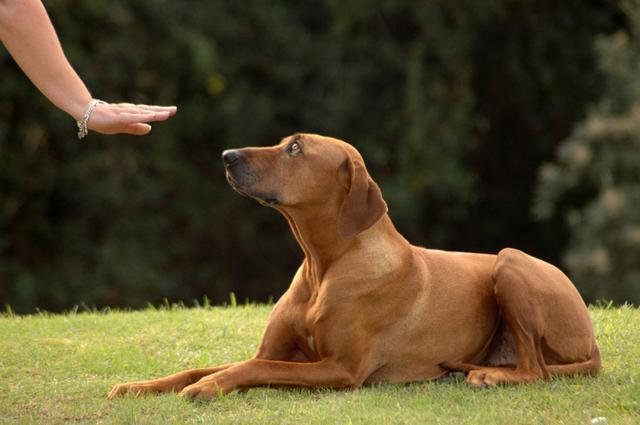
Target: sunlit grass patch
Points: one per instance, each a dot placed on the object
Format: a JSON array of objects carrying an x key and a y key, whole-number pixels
[{"x": 59, "y": 368}]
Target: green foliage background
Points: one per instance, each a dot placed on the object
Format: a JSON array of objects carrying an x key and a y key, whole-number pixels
[
  {"x": 454, "y": 104},
  {"x": 594, "y": 182}
]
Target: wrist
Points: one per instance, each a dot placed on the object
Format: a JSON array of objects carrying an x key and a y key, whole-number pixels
[
  {"x": 83, "y": 123},
  {"x": 78, "y": 107}
]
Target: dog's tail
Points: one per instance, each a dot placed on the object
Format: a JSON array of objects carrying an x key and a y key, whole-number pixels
[{"x": 588, "y": 367}]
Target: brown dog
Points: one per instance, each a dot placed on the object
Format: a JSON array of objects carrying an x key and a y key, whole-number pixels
[{"x": 366, "y": 306}]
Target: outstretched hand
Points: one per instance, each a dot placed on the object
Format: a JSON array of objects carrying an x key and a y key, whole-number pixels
[{"x": 114, "y": 118}]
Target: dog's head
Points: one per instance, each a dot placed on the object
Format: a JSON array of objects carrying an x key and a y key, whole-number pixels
[{"x": 307, "y": 171}]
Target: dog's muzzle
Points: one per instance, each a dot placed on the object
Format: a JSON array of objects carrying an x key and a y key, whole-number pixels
[
  {"x": 241, "y": 179},
  {"x": 230, "y": 157}
]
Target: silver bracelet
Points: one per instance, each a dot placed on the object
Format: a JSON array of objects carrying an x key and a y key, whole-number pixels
[{"x": 83, "y": 130}]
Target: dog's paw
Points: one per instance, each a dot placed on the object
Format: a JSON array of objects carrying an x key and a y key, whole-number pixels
[
  {"x": 136, "y": 388},
  {"x": 476, "y": 378},
  {"x": 202, "y": 391},
  {"x": 491, "y": 377}
]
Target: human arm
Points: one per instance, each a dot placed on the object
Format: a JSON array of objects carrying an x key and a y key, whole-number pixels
[{"x": 27, "y": 33}]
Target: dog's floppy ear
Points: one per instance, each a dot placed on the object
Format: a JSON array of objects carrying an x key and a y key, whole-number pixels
[{"x": 363, "y": 205}]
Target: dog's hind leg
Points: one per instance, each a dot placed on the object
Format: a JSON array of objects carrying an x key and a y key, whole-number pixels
[{"x": 547, "y": 320}]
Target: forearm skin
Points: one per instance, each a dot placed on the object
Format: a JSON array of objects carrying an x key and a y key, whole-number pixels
[{"x": 27, "y": 33}]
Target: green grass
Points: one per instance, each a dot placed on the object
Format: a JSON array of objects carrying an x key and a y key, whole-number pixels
[{"x": 59, "y": 368}]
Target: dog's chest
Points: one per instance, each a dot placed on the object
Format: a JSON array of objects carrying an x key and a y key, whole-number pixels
[
  {"x": 307, "y": 320},
  {"x": 296, "y": 312},
  {"x": 306, "y": 338},
  {"x": 311, "y": 343}
]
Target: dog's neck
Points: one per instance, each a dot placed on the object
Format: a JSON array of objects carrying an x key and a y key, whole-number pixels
[{"x": 318, "y": 237}]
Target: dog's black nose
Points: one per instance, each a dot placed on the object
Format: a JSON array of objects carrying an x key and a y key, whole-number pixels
[{"x": 230, "y": 156}]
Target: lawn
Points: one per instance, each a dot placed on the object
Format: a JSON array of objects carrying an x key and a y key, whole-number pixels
[{"x": 59, "y": 368}]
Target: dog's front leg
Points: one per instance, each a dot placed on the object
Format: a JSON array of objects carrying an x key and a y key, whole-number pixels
[
  {"x": 175, "y": 382},
  {"x": 325, "y": 373}
]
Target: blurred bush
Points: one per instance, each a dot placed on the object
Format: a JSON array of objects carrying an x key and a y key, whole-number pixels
[
  {"x": 454, "y": 105},
  {"x": 594, "y": 183}
]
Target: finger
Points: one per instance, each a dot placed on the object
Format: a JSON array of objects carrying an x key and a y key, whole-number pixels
[
  {"x": 170, "y": 110},
  {"x": 156, "y": 108},
  {"x": 130, "y": 118},
  {"x": 130, "y": 107},
  {"x": 158, "y": 116},
  {"x": 161, "y": 116}
]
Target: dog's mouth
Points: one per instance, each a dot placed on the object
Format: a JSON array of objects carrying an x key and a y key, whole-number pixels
[
  {"x": 266, "y": 200},
  {"x": 235, "y": 186}
]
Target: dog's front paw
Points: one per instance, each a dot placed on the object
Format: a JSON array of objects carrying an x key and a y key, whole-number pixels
[
  {"x": 202, "y": 391},
  {"x": 136, "y": 388}
]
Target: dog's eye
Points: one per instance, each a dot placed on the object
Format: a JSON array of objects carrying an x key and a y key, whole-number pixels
[{"x": 294, "y": 149}]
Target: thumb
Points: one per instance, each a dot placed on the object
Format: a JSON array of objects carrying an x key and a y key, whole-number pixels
[{"x": 138, "y": 129}]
